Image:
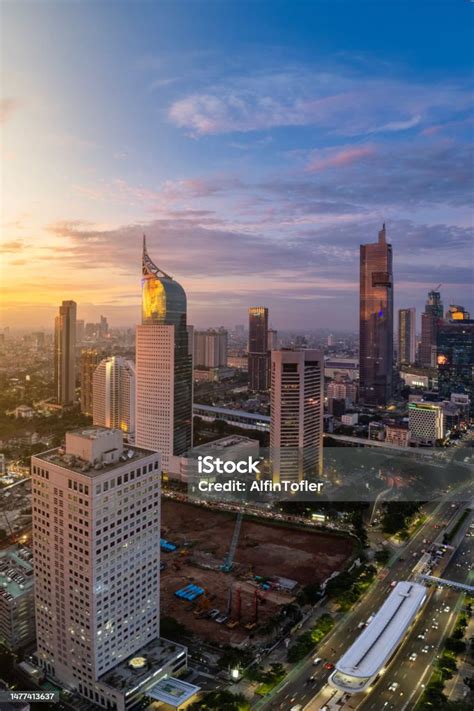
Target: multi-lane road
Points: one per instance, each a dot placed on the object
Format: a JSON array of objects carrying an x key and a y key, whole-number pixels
[{"x": 304, "y": 682}]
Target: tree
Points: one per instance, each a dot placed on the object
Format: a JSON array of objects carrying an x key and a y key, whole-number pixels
[{"x": 220, "y": 701}]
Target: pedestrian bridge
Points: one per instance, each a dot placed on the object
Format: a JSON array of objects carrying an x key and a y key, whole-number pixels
[{"x": 442, "y": 582}]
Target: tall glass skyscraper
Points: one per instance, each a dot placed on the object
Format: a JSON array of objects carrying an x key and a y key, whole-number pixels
[
  {"x": 258, "y": 348},
  {"x": 65, "y": 353},
  {"x": 429, "y": 322},
  {"x": 376, "y": 321},
  {"x": 163, "y": 366},
  {"x": 455, "y": 358},
  {"x": 406, "y": 335}
]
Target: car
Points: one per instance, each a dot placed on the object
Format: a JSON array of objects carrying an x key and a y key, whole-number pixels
[
  {"x": 329, "y": 665},
  {"x": 312, "y": 677},
  {"x": 435, "y": 626},
  {"x": 316, "y": 661},
  {"x": 394, "y": 686},
  {"x": 447, "y": 608},
  {"x": 221, "y": 619},
  {"x": 213, "y": 613},
  {"x": 413, "y": 656},
  {"x": 425, "y": 649},
  {"x": 421, "y": 636},
  {"x": 296, "y": 707}
]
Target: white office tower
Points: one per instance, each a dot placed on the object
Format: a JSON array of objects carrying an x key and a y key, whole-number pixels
[
  {"x": 96, "y": 543},
  {"x": 296, "y": 430},
  {"x": 163, "y": 368},
  {"x": 114, "y": 391}
]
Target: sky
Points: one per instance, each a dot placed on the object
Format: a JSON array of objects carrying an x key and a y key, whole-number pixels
[{"x": 257, "y": 144}]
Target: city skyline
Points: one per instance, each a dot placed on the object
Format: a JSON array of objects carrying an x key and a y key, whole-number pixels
[{"x": 252, "y": 188}]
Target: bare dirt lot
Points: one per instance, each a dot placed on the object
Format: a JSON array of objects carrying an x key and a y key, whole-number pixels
[{"x": 203, "y": 538}]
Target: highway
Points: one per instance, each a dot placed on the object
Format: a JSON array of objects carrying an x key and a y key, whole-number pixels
[
  {"x": 297, "y": 688},
  {"x": 402, "y": 683}
]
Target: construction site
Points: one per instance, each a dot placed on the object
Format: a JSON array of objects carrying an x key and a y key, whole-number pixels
[{"x": 225, "y": 576}]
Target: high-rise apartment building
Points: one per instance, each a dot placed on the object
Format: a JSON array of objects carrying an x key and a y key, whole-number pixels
[
  {"x": 430, "y": 318},
  {"x": 296, "y": 430},
  {"x": 89, "y": 360},
  {"x": 80, "y": 332},
  {"x": 210, "y": 348},
  {"x": 455, "y": 358},
  {"x": 376, "y": 321},
  {"x": 103, "y": 327},
  {"x": 272, "y": 339},
  {"x": 96, "y": 538},
  {"x": 163, "y": 367},
  {"x": 65, "y": 353},
  {"x": 114, "y": 395},
  {"x": 406, "y": 336},
  {"x": 258, "y": 354}
]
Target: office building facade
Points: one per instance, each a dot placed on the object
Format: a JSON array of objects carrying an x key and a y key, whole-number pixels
[
  {"x": 88, "y": 362},
  {"x": 376, "y": 321},
  {"x": 296, "y": 429},
  {"x": 96, "y": 537},
  {"x": 65, "y": 353},
  {"x": 114, "y": 392},
  {"x": 426, "y": 423},
  {"x": 406, "y": 336},
  {"x": 455, "y": 358},
  {"x": 210, "y": 348},
  {"x": 430, "y": 318},
  {"x": 258, "y": 354},
  {"x": 17, "y": 609},
  {"x": 164, "y": 362}
]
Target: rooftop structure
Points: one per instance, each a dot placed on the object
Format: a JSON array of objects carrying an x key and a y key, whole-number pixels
[
  {"x": 92, "y": 451},
  {"x": 365, "y": 658},
  {"x": 173, "y": 692}
]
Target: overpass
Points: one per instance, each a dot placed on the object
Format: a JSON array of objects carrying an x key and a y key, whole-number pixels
[{"x": 442, "y": 582}]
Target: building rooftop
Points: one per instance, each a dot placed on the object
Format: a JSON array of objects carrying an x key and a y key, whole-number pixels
[
  {"x": 93, "y": 450},
  {"x": 367, "y": 655},
  {"x": 140, "y": 668},
  {"x": 16, "y": 572},
  {"x": 173, "y": 691}
]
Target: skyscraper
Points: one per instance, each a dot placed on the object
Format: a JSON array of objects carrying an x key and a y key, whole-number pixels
[
  {"x": 456, "y": 312},
  {"x": 455, "y": 358},
  {"x": 65, "y": 353},
  {"x": 163, "y": 367},
  {"x": 96, "y": 542},
  {"x": 258, "y": 354},
  {"x": 210, "y": 348},
  {"x": 296, "y": 430},
  {"x": 376, "y": 321},
  {"x": 89, "y": 360},
  {"x": 429, "y": 321},
  {"x": 79, "y": 330},
  {"x": 114, "y": 395},
  {"x": 406, "y": 336}
]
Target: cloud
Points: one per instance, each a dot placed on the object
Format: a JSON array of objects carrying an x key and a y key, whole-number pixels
[
  {"x": 7, "y": 108},
  {"x": 338, "y": 102},
  {"x": 12, "y": 246},
  {"x": 339, "y": 158}
]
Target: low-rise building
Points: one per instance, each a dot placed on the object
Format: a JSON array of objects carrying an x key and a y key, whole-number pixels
[
  {"x": 397, "y": 433},
  {"x": 350, "y": 419},
  {"x": 17, "y": 607}
]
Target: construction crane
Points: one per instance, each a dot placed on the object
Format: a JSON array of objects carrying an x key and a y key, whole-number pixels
[{"x": 226, "y": 567}]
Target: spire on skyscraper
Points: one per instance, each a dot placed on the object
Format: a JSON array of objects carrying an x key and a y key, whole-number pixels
[
  {"x": 382, "y": 235},
  {"x": 149, "y": 267}
]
